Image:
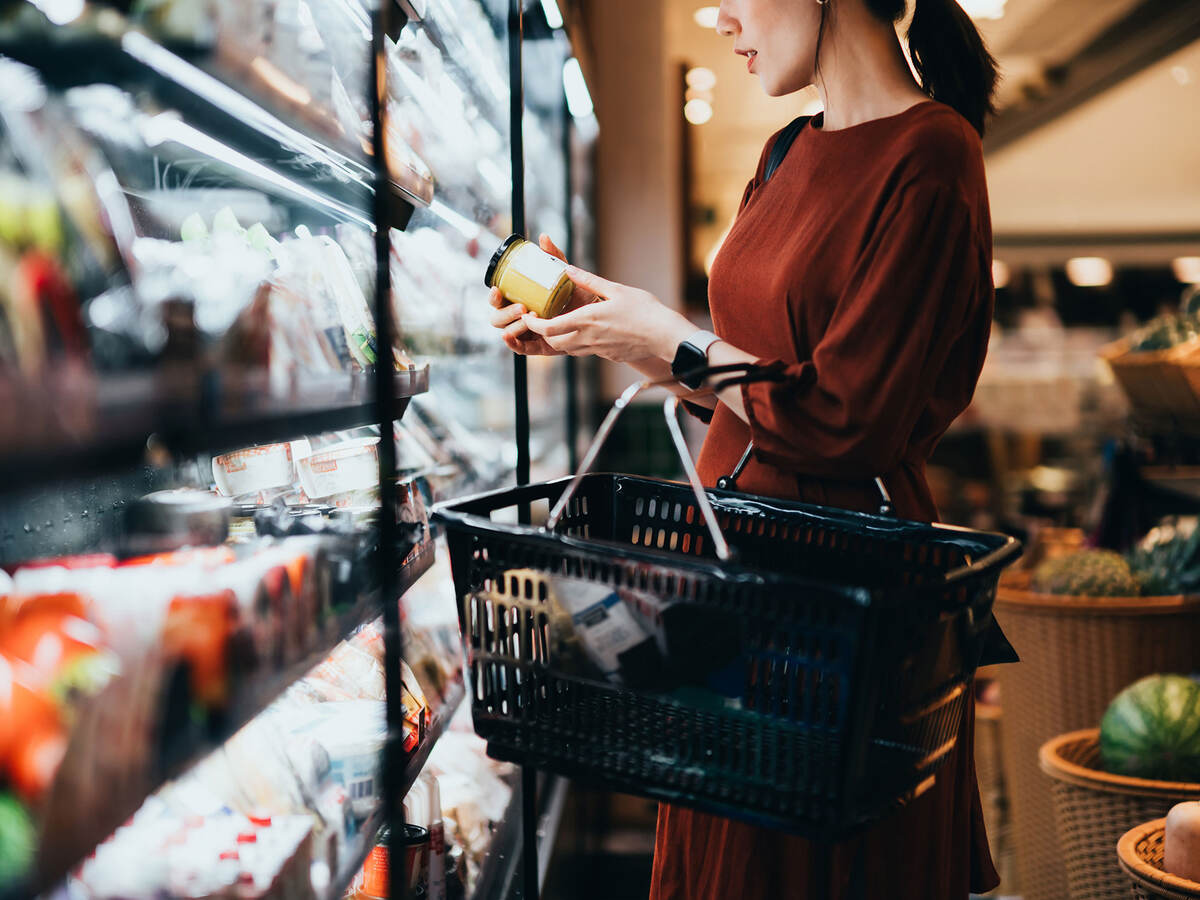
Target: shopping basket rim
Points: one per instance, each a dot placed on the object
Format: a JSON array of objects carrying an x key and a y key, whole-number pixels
[{"x": 470, "y": 512}]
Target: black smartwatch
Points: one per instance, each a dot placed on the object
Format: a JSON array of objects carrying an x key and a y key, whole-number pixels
[{"x": 691, "y": 356}]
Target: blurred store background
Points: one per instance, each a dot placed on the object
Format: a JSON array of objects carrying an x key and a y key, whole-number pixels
[{"x": 217, "y": 653}]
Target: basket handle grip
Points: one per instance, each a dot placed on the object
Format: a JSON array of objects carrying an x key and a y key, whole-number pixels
[{"x": 741, "y": 371}]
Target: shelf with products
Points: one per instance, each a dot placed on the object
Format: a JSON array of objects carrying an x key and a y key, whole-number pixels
[
  {"x": 235, "y": 628},
  {"x": 90, "y": 425},
  {"x": 412, "y": 771},
  {"x": 208, "y": 155},
  {"x": 448, "y": 81},
  {"x": 240, "y": 95},
  {"x": 291, "y": 803},
  {"x": 184, "y": 327}
]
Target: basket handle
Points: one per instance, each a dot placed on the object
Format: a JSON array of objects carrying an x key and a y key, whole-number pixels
[{"x": 741, "y": 372}]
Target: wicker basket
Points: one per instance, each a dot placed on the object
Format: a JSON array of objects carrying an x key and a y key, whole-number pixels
[
  {"x": 1093, "y": 808},
  {"x": 1140, "y": 853},
  {"x": 993, "y": 793},
  {"x": 1155, "y": 381},
  {"x": 1077, "y": 654}
]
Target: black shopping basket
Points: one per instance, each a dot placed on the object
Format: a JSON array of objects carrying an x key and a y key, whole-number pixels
[{"x": 815, "y": 663}]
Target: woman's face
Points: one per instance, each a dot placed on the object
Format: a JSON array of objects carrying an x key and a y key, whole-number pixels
[{"x": 778, "y": 39}]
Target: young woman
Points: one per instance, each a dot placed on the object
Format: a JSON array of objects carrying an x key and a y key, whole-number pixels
[{"x": 861, "y": 272}]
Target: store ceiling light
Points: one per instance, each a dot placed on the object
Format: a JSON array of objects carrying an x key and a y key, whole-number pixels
[
  {"x": 697, "y": 111},
  {"x": 553, "y": 15},
  {"x": 1089, "y": 271},
  {"x": 701, "y": 79},
  {"x": 579, "y": 101},
  {"x": 983, "y": 9},
  {"x": 1000, "y": 273},
  {"x": 706, "y": 16},
  {"x": 1186, "y": 269}
]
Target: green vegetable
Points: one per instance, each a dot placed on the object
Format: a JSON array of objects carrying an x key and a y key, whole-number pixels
[
  {"x": 1087, "y": 573},
  {"x": 260, "y": 238},
  {"x": 226, "y": 222},
  {"x": 1167, "y": 559},
  {"x": 193, "y": 228},
  {"x": 1152, "y": 730},
  {"x": 18, "y": 841}
]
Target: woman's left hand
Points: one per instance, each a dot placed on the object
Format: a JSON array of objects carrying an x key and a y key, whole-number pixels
[{"x": 624, "y": 324}]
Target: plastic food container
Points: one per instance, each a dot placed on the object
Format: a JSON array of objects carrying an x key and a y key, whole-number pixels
[
  {"x": 527, "y": 274},
  {"x": 349, "y": 466},
  {"x": 253, "y": 469},
  {"x": 168, "y": 520}
]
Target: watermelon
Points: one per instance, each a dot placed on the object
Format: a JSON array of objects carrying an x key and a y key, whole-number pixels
[{"x": 1152, "y": 730}]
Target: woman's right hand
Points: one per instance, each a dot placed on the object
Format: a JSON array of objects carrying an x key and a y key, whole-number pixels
[{"x": 507, "y": 316}]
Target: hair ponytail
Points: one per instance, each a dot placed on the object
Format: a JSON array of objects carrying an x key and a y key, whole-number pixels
[{"x": 950, "y": 58}]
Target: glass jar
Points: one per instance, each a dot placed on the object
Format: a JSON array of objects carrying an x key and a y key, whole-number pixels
[{"x": 527, "y": 274}]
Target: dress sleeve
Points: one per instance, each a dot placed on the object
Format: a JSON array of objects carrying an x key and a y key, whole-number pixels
[
  {"x": 704, "y": 413},
  {"x": 849, "y": 410}
]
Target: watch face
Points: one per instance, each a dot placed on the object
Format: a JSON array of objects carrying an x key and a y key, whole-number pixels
[{"x": 688, "y": 358}]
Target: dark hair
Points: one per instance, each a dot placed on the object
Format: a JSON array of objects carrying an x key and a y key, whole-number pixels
[{"x": 947, "y": 51}]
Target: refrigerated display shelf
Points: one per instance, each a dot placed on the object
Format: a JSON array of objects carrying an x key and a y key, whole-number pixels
[
  {"x": 76, "y": 834},
  {"x": 412, "y": 770},
  {"x": 491, "y": 101},
  {"x": 72, "y": 427},
  {"x": 334, "y": 174}
]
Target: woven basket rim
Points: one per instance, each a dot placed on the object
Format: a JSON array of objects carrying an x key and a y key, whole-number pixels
[
  {"x": 1141, "y": 871},
  {"x": 1014, "y": 592},
  {"x": 1118, "y": 352},
  {"x": 1053, "y": 764}
]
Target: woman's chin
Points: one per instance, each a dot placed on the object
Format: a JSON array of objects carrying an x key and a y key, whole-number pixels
[{"x": 781, "y": 87}]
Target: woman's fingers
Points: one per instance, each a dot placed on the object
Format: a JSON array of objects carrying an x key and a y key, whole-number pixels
[
  {"x": 495, "y": 298},
  {"x": 506, "y": 315},
  {"x": 601, "y": 287},
  {"x": 564, "y": 343},
  {"x": 550, "y": 247},
  {"x": 517, "y": 329},
  {"x": 567, "y": 322}
]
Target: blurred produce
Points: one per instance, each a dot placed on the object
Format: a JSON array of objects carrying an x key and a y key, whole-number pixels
[
  {"x": 1167, "y": 559},
  {"x": 1088, "y": 573}
]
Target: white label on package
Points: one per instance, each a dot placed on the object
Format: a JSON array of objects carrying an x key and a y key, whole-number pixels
[
  {"x": 602, "y": 621},
  {"x": 537, "y": 265}
]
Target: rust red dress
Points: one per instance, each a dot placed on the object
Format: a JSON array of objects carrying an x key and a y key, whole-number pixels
[{"x": 862, "y": 269}]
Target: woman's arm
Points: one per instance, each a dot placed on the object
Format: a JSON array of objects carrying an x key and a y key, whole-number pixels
[{"x": 848, "y": 410}]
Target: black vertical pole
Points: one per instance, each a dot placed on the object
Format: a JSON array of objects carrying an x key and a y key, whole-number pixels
[
  {"x": 516, "y": 114},
  {"x": 385, "y": 403},
  {"x": 571, "y": 250}
]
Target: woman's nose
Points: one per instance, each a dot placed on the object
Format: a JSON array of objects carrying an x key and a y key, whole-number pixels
[{"x": 727, "y": 25}]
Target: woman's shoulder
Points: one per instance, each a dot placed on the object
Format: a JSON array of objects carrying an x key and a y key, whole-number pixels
[{"x": 936, "y": 145}]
